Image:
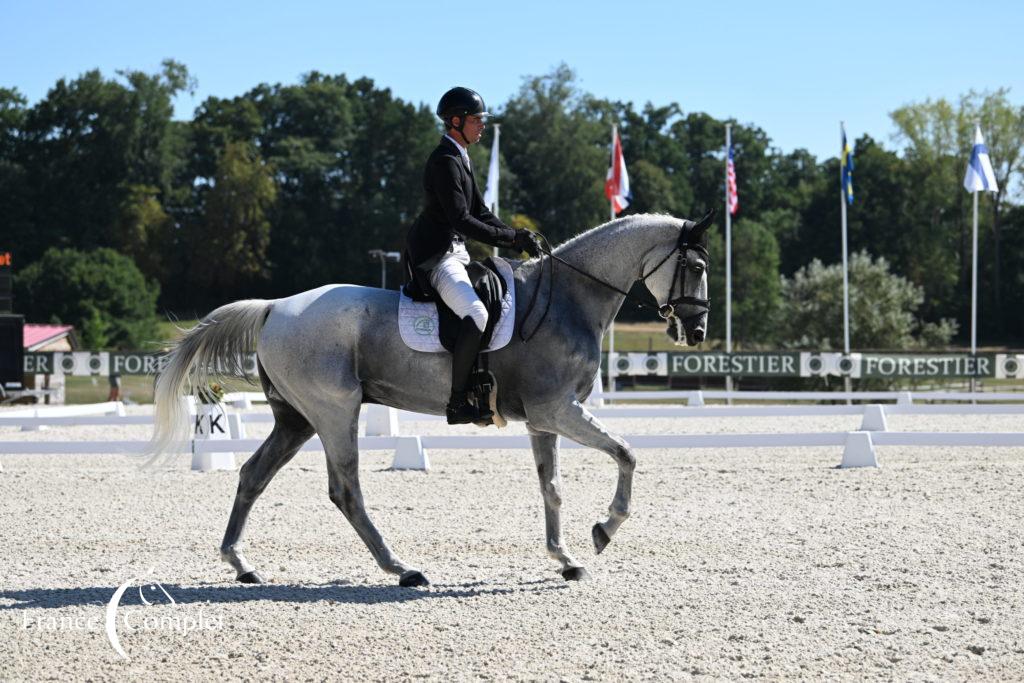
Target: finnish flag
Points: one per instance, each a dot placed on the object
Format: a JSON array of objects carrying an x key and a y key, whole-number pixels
[{"x": 979, "y": 170}]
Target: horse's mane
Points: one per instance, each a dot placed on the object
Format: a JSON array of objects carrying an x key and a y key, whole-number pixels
[{"x": 615, "y": 227}]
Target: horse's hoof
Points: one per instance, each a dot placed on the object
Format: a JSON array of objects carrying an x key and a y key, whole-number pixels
[
  {"x": 576, "y": 574},
  {"x": 251, "y": 577},
  {"x": 413, "y": 579},
  {"x": 601, "y": 538}
]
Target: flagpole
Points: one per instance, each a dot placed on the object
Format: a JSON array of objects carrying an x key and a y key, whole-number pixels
[
  {"x": 728, "y": 257},
  {"x": 974, "y": 294},
  {"x": 846, "y": 277},
  {"x": 847, "y": 384},
  {"x": 611, "y": 327},
  {"x": 494, "y": 151}
]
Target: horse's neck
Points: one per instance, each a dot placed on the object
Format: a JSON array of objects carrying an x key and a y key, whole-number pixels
[{"x": 613, "y": 253}]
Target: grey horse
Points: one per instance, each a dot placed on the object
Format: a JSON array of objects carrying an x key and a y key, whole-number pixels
[{"x": 323, "y": 353}]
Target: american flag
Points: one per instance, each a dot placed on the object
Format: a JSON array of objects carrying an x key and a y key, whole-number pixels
[{"x": 734, "y": 198}]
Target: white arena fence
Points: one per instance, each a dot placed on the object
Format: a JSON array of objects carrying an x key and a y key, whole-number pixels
[
  {"x": 411, "y": 451},
  {"x": 698, "y": 397}
]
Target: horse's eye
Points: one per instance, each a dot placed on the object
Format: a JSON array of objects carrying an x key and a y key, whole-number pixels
[{"x": 697, "y": 267}]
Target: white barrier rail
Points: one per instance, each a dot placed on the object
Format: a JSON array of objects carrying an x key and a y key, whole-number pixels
[
  {"x": 637, "y": 441},
  {"x": 108, "y": 408},
  {"x": 697, "y": 397},
  {"x": 29, "y": 422},
  {"x": 410, "y": 451}
]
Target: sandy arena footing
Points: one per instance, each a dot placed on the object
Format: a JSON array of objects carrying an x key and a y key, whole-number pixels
[{"x": 736, "y": 563}]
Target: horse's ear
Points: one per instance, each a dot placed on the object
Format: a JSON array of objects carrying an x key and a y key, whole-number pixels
[{"x": 703, "y": 224}]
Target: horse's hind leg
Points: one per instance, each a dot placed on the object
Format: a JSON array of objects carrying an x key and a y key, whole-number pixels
[
  {"x": 341, "y": 444},
  {"x": 545, "y": 454},
  {"x": 291, "y": 430},
  {"x": 575, "y": 422}
]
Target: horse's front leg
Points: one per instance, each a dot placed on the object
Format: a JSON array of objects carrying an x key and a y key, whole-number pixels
[
  {"x": 545, "y": 454},
  {"x": 575, "y": 422}
]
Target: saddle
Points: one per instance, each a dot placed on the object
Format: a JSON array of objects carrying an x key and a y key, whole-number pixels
[{"x": 426, "y": 323}]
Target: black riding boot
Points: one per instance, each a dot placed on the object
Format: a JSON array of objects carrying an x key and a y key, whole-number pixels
[{"x": 467, "y": 346}]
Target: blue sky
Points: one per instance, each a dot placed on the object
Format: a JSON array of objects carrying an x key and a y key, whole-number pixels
[{"x": 793, "y": 68}]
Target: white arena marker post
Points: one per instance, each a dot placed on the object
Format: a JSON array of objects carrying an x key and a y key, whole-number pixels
[
  {"x": 874, "y": 419},
  {"x": 905, "y": 398},
  {"x": 594, "y": 400},
  {"x": 381, "y": 420},
  {"x": 409, "y": 454},
  {"x": 35, "y": 427},
  {"x": 696, "y": 398},
  {"x": 236, "y": 429},
  {"x": 211, "y": 424},
  {"x": 859, "y": 451}
]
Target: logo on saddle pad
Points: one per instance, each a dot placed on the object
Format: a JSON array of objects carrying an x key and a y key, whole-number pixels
[{"x": 424, "y": 325}]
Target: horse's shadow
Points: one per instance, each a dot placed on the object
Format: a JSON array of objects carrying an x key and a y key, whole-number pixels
[{"x": 340, "y": 592}]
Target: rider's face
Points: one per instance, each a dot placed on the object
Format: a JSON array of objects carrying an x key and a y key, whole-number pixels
[{"x": 473, "y": 130}]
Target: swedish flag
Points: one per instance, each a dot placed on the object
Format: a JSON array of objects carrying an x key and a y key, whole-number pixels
[{"x": 847, "y": 163}]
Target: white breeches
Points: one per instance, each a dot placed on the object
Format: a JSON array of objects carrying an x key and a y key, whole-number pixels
[{"x": 450, "y": 280}]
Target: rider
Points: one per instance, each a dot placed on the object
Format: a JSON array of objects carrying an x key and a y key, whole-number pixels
[{"x": 437, "y": 240}]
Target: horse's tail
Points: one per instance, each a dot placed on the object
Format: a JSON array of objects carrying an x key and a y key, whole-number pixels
[{"x": 218, "y": 345}]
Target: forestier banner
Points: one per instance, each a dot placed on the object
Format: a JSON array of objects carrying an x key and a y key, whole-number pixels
[
  {"x": 112, "y": 363},
  {"x": 687, "y": 363},
  {"x": 924, "y": 365},
  {"x": 715, "y": 364}
]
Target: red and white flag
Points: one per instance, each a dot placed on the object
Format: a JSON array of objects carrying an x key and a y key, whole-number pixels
[
  {"x": 730, "y": 178},
  {"x": 616, "y": 186}
]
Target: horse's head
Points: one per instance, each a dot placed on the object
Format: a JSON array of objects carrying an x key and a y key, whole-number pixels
[{"x": 679, "y": 283}]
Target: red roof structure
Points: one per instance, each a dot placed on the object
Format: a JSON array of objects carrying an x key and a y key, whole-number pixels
[{"x": 40, "y": 335}]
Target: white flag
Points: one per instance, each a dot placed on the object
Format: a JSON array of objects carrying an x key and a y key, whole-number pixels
[
  {"x": 979, "y": 170},
  {"x": 491, "y": 193}
]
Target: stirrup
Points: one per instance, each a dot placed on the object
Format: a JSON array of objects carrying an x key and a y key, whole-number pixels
[{"x": 460, "y": 411}]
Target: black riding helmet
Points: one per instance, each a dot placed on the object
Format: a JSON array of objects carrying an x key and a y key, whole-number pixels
[{"x": 461, "y": 102}]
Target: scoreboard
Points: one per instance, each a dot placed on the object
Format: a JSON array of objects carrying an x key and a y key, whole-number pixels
[
  {"x": 6, "y": 283},
  {"x": 12, "y": 350}
]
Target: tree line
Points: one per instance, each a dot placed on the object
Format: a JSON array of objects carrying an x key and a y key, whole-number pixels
[{"x": 287, "y": 187}]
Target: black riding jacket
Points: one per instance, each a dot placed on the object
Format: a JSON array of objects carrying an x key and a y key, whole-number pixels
[{"x": 454, "y": 210}]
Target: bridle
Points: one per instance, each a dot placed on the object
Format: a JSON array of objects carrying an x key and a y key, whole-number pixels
[{"x": 689, "y": 239}]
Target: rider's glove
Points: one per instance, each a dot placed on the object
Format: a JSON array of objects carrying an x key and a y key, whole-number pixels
[{"x": 525, "y": 240}]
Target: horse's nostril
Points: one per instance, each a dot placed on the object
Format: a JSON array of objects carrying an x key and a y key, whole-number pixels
[{"x": 698, "y": 336}]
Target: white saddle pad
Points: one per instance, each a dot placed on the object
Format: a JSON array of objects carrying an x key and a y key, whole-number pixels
[{"x": 417, "y": 321}]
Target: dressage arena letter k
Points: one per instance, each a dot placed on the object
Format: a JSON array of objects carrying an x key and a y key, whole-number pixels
[{"x": 214, "y": 424}]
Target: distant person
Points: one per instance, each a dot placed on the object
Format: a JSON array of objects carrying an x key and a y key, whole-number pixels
[
  {"x": 115, "y": 386},
  {"x": 437, "y": 240}
]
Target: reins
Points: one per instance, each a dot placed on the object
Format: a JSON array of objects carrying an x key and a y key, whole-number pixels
[{"x": 666, "y": 311}]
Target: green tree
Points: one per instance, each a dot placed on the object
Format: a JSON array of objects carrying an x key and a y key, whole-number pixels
[
  {"x": 756, "y": 289},
  {"x": 883, "y": 308},
  {"x": 100, "y": 292},
  {"x": 15, "y": 202},
  {"x": 145, "y": 232},
  {"x": 228, "y": 248},
  {"x": 652, "y": 189},
  {"x": 558, "y": 149},
  {"x": 938, "y": 137},
  {"x": 87, "y": 143},
  {"x": 347, "y": 159}
]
